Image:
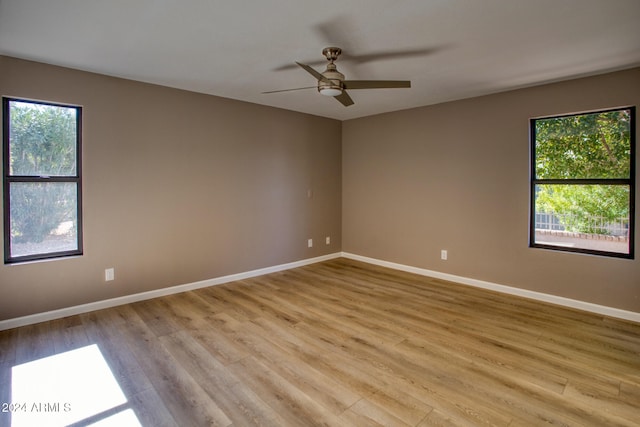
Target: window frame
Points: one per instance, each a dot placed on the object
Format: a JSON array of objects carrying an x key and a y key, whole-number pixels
[
  {"x": 630, "y": 182},
  {"x": 8, "y": 179}
]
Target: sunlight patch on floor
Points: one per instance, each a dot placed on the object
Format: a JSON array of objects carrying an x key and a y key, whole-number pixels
[{"x": 66, "y": 388}]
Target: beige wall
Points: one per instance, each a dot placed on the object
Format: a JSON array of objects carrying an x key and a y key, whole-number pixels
[
  {"x": 181, "y": 187},
  {"x": 178, "y": 187},
  {"x": 455, "y": 176}
]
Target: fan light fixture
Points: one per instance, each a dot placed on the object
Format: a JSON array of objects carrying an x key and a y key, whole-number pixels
[{"x": 330, "y": 91}]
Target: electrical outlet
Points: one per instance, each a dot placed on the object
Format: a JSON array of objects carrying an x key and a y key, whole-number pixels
[
  {"x": 109, "y": 274},
  {"x": 310, "y": 243},
  {"x": 443, "y": 254},
  {"x": 327, "y": 240}
]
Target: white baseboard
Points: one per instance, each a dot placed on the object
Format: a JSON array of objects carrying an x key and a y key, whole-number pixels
[
  {"x": 99, "y": 305},
  {"x": 567, "y": 302}
]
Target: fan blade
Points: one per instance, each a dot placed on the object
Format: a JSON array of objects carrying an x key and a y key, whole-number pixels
[
  {"x": 344, "y": 98},
  {"x": 314, "y": 73},
  {"x": 343, "y": 30},
  {"x": 376, "y": 84},
  {"x": 294, "y": 66},
  {"x": 289, "y": 90},
  {"x": 338, "y": 31},
  {"x": 346, "y": 57},
  {"x": 391, "y": 54}
]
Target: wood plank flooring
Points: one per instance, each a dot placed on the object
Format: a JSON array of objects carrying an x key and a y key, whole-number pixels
[{"x": 343, "y": 343}]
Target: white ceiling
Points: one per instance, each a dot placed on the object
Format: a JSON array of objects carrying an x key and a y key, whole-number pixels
[{"x": 238, "y": 49}]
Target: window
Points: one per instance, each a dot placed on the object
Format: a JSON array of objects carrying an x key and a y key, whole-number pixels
[
  {"x": 41, "y": 180},
  {"x": 582, "y": 182}
]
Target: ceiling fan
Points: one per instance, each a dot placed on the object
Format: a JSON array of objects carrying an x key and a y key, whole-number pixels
[{"x": 331, "y": 82}]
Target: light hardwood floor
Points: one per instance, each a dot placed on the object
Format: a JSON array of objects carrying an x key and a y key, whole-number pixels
[{"x": 344, "y": 343}]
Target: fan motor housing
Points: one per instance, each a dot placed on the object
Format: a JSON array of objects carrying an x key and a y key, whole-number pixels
[{"x": 334, "y": 76}]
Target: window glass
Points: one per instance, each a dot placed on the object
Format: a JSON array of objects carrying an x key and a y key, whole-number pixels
[
  {"x": 590, "y": 217},
  {"x": 596, "y": 145},
  {"x": 42, "y": 140},
  {"x": 43, "y": 218}
]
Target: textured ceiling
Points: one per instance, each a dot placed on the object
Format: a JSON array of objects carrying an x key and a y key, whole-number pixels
[{"x": 449, "y": 49}]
